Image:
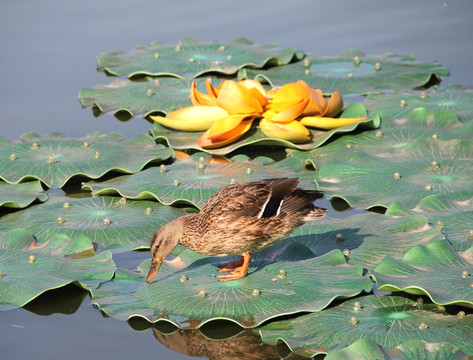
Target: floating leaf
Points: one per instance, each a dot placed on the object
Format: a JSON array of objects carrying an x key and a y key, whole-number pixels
[
  {"x": 455, "y": 218},
  {"x": 186, "y": 291},
  {"x": 389, "y": 321},
  {"x": 127, "y": 99},
  {"x": 21, "y": 195},
  {"x": 192, "y": 58},
  {"x": 110, "y": 222},
  {"x": 188, "y": 140},
  {"x": 55, "y": 160},
  {"x": 29, "y": 268},
  {"x": 194, "y": 180},
  {"x": 348, "y": 76},
  {"x": 435, "y": 269},
  {"x": 365, "y": 238},
  {"x": 369, "y": 181},
  {"x": 450, "y": 97}
]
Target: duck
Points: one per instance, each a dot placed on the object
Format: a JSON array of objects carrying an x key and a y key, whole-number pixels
[{"x": 239, "y": 219}]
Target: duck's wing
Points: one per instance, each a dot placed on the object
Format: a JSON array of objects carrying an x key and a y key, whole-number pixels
[{"x": 253, "y": 199}]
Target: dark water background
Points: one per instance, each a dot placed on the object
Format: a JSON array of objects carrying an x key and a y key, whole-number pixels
[{"x": 47, "y": 55}]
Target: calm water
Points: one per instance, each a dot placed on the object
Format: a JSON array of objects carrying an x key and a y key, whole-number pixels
[{"x": 48, "y": 51}]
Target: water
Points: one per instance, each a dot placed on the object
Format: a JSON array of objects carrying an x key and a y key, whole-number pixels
[{"x": 48, "y": 55}]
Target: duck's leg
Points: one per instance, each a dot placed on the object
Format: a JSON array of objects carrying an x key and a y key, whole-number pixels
[
  {"x": 238, "y": 271},
  {"x": 229, "y": 266}
]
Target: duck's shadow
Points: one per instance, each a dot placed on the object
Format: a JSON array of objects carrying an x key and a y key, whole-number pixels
[{"x": 297, "y": 247}]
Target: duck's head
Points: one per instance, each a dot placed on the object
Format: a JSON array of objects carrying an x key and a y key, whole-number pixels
[{"x": 163, "y": 243}]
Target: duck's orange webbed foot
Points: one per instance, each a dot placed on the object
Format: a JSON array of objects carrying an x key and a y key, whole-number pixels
[
  {"x": 237, "y": 269},
  {"x": 229, "y": 266}
]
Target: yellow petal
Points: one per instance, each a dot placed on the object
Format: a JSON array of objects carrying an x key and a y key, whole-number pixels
[
  {"x": 299, "y": 89},
  {"x": 328, "y": 123},
  {"x": 317, "y": 104},
  {"x": 288, "y": 114},
  {"x": 231, "y": 136},
  {"x": 192, "y": 118},
  {"x": 256, "y": 89},
  {"x": 294, "y": 131},
  {"x": 199, "y": 98},
  {"x": 335, "y": 105},
  {"x": 222, "y": 127},
  {"x": 237, "y": 99},
  {"x": 284, "y": 104}
]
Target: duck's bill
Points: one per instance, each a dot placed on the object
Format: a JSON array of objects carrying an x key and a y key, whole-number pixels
[{"x": 155, "y": 264}]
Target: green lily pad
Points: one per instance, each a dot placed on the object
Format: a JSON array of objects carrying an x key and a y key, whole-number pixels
[
  {"x": 435, "y": 269},
  {"x": 55, "y": 160},
  {"x": 29, "y": 268},
  {"x": 455, "y": 218},
  {"x": 21, "y": 195},
  {"x": 450, "y": 97},
  {"x": 255, "y": 137},
  {"x": 389, "y": 321},
  {"x": 365, "y": 238},
  {"x": 109, "y": 222},
  {"x": 127, "y": 99},
  {"x": 194, "y": 180},
  {"x": 371, "y": 181},
  {"x": 192, "y": 58},
  {"x": 344, "y": 74},
  {"x": 186, "y": 293}
]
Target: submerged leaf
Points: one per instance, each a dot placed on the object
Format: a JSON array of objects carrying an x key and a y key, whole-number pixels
[{"x": 21, "y": 195}]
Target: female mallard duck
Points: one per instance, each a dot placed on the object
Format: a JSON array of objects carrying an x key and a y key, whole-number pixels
[{"x": 238, "y": 219}]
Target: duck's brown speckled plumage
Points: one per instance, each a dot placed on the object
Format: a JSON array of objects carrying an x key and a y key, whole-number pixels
[{"x": 240, "y": 219}]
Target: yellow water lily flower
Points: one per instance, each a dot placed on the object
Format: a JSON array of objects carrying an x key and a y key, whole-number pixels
[{"x": 192, "y": 118}]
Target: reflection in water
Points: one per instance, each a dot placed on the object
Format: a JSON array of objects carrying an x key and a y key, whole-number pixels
[
  {"x": 222, "y": 340},
  {"x": 64, "y": 300}
]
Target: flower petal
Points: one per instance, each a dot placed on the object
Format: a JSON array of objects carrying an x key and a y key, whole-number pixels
[
  {"x": 237, "y": 99},
  {"x": 192, "y": 118},
  {"x": 328, "y": 123},
  {"x": 223, "y": 126},
  {"x": 317, "y": 104},
  {"x": 289, "y": 114},
  {"x": 231, "y": 136},
  {"x": 199, "y": 98},
  {"x": 335, "y": 105},
  {"x": 294, "y": 131},
  {"x": 256, "y": 89}
]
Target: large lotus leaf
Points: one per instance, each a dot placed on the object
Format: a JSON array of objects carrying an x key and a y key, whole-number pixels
[
  {"x": 186, "y": 293},
  {"x": 193, "y": 58},
  {"x": 195, "y": 180},
  {"x": 127, "y": 99},
  {"x": 410, "y": 350},
  {"x": 29, "y": 268},
  {"x": 369, "y": 181},
  {"x": 388, "y": 143},
  {"x": 21, "y": 195},
  {"x": 110, "y": 222},
  {"x": 54, "y": 160},
  {"x": 389, "y": 321},
  {"x": 343, "y": 73},
  {"x": 255, "y": 137},
  {"x": 366, "y": 238},
  {"x": 455, "y": 218},
  {"x": 451, "y": 97},
  {"x": 435, "y": 269}
]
